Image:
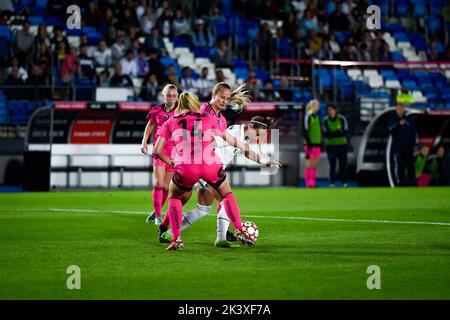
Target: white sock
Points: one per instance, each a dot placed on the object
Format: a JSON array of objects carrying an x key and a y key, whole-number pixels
[
  {"x": 223, "y": 222},
  {"x": 192, "y": 216}
]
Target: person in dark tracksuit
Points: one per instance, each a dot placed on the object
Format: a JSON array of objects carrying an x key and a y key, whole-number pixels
[
  {"x": 335, "y": 129},
  {"x": 404, "y": 138}
]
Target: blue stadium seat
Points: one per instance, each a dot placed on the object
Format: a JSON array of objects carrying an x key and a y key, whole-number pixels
[
  {"x": 261, "y": 74},
  {"x": 411, "y": 85},
  {"x": 200, "y": 52},
  {"x": 434, "y": 24},
  {"x": 282, "y": 47},
  {"x": 35, "y": 20},
  {"x": 167, "y": 61},
  {"x": 41, "y": 3},
  {"x": 221, "y": 27},
  {"x": 240, "y": 63},
  {"x": 436, "y": 7},
  {"x": 241, "y": 73},
  {"x": 397, "y": 56},
  {"x": 401, "y": 8},
  {"x": 388, "y": 74},
  {"x": 420, "y": 10}
]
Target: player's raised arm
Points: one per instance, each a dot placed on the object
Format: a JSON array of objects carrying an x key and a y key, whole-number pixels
[
  {"x": 148, "y": 131},
  {"x": 249, "y": 153}
]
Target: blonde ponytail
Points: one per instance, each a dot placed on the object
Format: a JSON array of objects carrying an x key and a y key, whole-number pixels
[
  {"x": 188, "y": 102},
  {"x": 311, "y": 105}
]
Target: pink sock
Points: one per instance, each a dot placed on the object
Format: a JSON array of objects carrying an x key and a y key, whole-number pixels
[
  {"x": 157, "y": 201},
  {"x": 306, "y": 173},
  {"x": 232, "y": 210},
  {"x": 164, "y": 198},
  {"x": 313, "y": 176},
  {"x": 166, "y": 220},
  {"x": 175, "y": 216}
]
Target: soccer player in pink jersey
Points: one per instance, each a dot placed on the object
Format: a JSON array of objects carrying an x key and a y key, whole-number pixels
[
  {"x": 222, "y": 95},
  {"x": 157, "y": 116},
  {"x": 193, "y": 133}
]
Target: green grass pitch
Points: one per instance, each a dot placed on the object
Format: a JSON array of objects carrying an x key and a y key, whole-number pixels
[{"x": 314, "y": 244}]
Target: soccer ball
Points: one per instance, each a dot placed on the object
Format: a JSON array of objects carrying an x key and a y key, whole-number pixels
[{"x": 250, "y": 232}]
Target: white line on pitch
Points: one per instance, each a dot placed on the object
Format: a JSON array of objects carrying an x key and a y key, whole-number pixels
[{"x": 257, "y": 217}]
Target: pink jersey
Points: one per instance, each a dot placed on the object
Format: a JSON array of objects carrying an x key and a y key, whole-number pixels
[
  {"x": 192, "y": 133},
  {"x": 220, "y": 120},
  {"x": 159, "y": 116}
]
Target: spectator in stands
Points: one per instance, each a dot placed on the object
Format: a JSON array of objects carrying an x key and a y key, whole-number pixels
[
  {"x": 92, "y": 16},
  {"x": 14, "y": 80},
  {"x": 43, "y": 57},
  {"x": 223, "y": 57},
  {"x": 338, "y": 21},
  {"x": 106, "y": 22},
  {"x": 268, "y": 93},
  {"x": 128, "y": 19},
  {"x": 147, "y": 21},
  {"x": 165, "y": 23},
  {"x": 41, "y": 37},
  {"x": 264, "y": 43},
  {"x": 268, "y": 10},
  {"x": 203, "y": 85},
  {"x": 56, "y": 8},
  {"x": 335, "y": 131},
  {"x": 325, "y": 52},
  {"x": 154, "y": 41},
  {"x": 281, "y": 44},
  {"x": 6, "y": 8},
  {"x": 163, "y": 7},
  {"x": 142, "y": 64},
  {"x": 172, "y": 76},
  {"x": 181, "y": 26},
  {"x": 119, "y": 79},
  {"x": 310, "y": 22},
  {"x": 103, "y": 79},
  {"x": 385, "y": 53},
  {"x": 155, "y": 65},
  {"x": 59, "y": 37},
  {"x": 289, "y": 25},
  {"x": 23, "y": 74},
  {"x": 187, "y": 82},
  {"x": 364, "y": 53},
  {"x": 118, "y": 49},
  {"x": 141, "y": 8},
  {"x": 220, "y": 76},
  {"x": 38, "y": 80},
  {"x": 254, "y": 84},
  {"x": 285, "y": 89},
  {"x": 102, "y": 55},
  {"x": 71, "y": 66},
  {"x": 202, "y": 36},
  {"x": 128, "y": 63},
  {"x": 87, "y": 67},
  {"x": 150, "y": 88},
  {"x": 404, "y": 137},
  {"x": 334, "y": 45},
  {"x": 432, "y": 52},
  {"x": 23, "y": 43}
]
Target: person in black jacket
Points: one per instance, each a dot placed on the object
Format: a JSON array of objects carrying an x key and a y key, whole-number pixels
[{"x": 404, "y": 138}]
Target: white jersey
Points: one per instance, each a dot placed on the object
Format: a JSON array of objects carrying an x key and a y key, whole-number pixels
[{"x": 226, "y": 152}]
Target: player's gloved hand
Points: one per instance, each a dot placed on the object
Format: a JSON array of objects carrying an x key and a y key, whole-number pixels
[{"x": 144, "y": 148}]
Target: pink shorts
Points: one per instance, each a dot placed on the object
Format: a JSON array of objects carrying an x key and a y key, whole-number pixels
[
  {"x": 186, "y": 175},
  {"x": 424, "y": 180},
  {"x": 157, "y": 162},
  {"x": 312, "y": 152}
]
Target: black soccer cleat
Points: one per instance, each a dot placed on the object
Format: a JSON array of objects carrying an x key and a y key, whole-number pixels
[
  {"x": 161, "y": 230},
  {"x": 231, "y": 237}
]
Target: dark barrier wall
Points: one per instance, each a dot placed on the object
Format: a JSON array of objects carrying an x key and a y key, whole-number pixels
[{"x": 37, "y": 170}]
